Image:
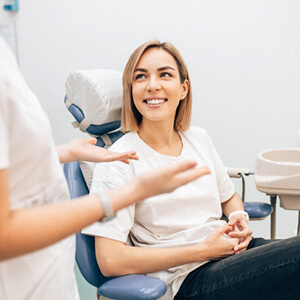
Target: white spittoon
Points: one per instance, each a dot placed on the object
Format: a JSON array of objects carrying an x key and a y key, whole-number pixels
[{"x": 277, "y": 172}]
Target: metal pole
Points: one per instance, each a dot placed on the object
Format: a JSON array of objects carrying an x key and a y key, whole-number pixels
[
  {"x": 298, "y": 230},
  {"x": 273, "y": 199}
]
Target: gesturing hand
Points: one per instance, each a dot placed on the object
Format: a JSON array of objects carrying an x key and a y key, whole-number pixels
[
  {"x": 167, "y": 179},
  {"x": 85, "y": 149}
]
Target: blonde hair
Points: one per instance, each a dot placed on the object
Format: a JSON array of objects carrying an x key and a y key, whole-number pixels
[{"x": 131, "y": 117}]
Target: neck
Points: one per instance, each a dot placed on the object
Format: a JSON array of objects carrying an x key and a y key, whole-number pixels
[{"x": 161, "y": 136}]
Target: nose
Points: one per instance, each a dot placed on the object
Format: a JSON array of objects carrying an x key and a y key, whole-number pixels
[{"x": 153, "y": 84}]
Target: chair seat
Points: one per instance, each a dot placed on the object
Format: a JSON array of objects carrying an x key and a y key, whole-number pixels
[
  {"x": 257, "y": 210},
  {"x": 133, "y": 287}
]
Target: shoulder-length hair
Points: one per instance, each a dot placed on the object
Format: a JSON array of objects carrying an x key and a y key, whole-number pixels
[{"x": 131, "y": 117}]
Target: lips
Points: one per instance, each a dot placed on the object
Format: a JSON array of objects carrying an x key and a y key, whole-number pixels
[{"x": 155, "y": 101}]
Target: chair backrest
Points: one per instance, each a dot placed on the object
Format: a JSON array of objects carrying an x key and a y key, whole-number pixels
[
  {"x": 85, "y": 245},
  {"x": 94, "y": 98}
]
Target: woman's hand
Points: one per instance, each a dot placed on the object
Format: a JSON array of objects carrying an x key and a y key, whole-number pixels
[
  {"x": 218, "y": 244},
  {"x": 241, "y": 231},
  {"x": 167, "y": 179},
  {"x": 85, "y": 150}
]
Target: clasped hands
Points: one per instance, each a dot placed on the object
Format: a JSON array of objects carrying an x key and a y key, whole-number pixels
[
  {"x": 239, "y": 229},
  {"x": 231, "y": 238}
]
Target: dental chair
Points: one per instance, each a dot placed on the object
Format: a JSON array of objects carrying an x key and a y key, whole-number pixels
[
  {"x": 129, "y": 287},
  {"x": 94, "y": 98}
]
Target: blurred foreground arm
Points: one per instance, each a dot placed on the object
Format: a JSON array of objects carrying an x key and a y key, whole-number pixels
[{"x": 30, "y": 229}]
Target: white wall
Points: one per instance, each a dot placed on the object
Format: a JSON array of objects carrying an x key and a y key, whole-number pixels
[{"x": 243, "y": 58}]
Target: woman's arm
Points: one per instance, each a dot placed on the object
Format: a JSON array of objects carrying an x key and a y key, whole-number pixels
[
  {"x": 85, "y": 150},
  {"x": 235, "y": 203},
  {"x": 26, "y": 230},
  {"x": 115, "y": 258}
]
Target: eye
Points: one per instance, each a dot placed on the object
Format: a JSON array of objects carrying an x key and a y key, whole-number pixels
[
  {"x": 165, "y": 74},
  {"x": 140, "y": 76}
]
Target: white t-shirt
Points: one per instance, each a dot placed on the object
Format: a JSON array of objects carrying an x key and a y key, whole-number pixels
[
  {"x": 35, "y": 178},
  {"x": 181, "y": 218}
]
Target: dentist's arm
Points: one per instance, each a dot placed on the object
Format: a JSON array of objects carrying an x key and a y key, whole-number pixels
[{"x": 30, "y": 229}]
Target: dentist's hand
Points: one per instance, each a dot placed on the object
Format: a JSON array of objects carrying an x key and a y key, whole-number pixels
[
  {"x": 85, "y": 150},
  {"x": 167, "y": 179},
  {"x": 155, "y": 182},
  {"x": 241, "y": 231}
]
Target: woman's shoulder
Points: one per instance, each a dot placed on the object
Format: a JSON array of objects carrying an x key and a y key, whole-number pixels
[
  {"x": 197, "y": 136},
  {"x": 195, "y": 131},
  {"x": 125, "y": 143}
]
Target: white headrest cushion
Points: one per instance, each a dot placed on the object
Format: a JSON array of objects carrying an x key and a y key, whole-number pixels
[{"x": 98, "y": 93}]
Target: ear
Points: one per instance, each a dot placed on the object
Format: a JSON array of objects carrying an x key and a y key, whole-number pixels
[{"x": 185, "y": 89}]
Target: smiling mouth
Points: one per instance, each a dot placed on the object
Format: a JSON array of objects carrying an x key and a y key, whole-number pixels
[{"x": 154, "y": 101}]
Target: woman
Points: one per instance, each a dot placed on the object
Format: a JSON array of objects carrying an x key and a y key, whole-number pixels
[
  {"x": 37, "y": 258},
  {"x": 179, "y": 237}
]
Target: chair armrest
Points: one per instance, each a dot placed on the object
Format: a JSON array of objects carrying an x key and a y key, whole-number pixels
[
  {"x": 236, "y": 172},
  {"x": 133, "y": 287}
]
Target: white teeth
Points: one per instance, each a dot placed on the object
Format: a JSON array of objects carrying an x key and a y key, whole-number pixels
[{"x": 155, "y": 101}]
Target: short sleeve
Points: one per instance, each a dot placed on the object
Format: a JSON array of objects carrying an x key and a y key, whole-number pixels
[
  {"x": 225, "y": 184},
  {"x": 107, "y": 176}
]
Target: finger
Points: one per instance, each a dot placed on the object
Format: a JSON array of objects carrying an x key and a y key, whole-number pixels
[
  {"x": 242, "y": 246},
  {"x": 232, "y": 221},
  {"x": 134, "y": 157},
  {"x": 92, "y": 141},
  {"x": 238, "y": 234},
  {"x": 125, "y": 161},
  {"x": 130, "y": 153},
  {"x": 241, "y": 233},
  {"x": 129, "y": 157},
  {"x": 225, "y": 229},
  {"x": 240, "y": 251},
  {"x": 121, "y": 156},
  {"x": 235, "y": 220},
  {"x": 181, "y": 167},
  {"x": 125, "y": 155},
  {"x": 188, "y": 173}
]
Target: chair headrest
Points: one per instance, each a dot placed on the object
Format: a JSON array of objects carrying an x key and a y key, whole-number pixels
[{"x": 94, "y": 98}]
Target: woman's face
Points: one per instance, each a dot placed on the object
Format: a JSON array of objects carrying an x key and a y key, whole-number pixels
[{"x": 156, "y": 86}]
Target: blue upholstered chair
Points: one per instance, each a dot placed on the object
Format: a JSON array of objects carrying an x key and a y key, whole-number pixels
[{"x": 129, "y": 287}]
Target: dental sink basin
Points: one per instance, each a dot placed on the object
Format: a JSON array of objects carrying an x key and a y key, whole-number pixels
[{"x": 277, "y": 172}]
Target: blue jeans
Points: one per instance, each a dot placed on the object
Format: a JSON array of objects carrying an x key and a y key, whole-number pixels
[{"x": 268, "y": 269}]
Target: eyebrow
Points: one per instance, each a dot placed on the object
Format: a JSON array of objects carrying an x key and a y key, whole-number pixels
[{"x": 159, "y": 69}]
